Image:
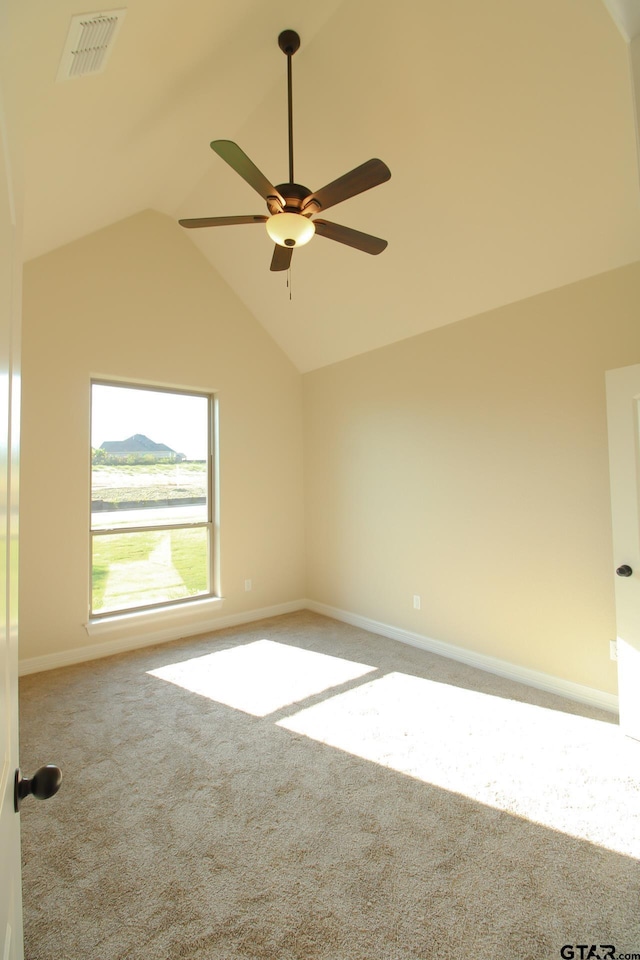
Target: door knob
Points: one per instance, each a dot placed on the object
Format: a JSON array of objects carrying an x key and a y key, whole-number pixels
[
  {"x": 624, "y": 571},
  {"x": 43, "y": 784}
]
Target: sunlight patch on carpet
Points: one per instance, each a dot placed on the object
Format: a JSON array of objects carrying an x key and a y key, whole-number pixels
[
  {"x": 261, "y": 677},
  {"x": 527, "y": 760}
]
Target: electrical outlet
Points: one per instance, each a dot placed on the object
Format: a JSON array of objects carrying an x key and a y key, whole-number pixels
[
  {"x": 416, "y": 602},
  {"x": 247, "y": 585},
  {"x": 613, "y": 649}
]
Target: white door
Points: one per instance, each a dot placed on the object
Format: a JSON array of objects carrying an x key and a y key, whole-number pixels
[
  {"x": 623, "y": 407},
  {"x": 10, "y": 888}
]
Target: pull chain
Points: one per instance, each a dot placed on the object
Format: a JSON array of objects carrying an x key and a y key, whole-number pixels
[{"x": 289, "y": 282}]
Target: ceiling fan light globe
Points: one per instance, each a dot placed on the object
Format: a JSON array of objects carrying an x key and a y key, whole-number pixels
[{"x": 290, "y": 229}]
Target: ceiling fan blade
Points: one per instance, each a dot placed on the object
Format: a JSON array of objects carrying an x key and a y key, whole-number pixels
[
  {"x": 246, "y": 168},
  {"x": 367, "y": 175},
  {"x": 281, "y": 259},
  {"x": 221, "y": 221},
  {"x": 353, "y": 238}
]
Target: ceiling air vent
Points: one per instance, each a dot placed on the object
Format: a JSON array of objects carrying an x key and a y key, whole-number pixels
[{"x": 89, "y": 42}]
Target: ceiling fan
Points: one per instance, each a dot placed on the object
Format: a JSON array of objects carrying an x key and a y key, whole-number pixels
[{"x": 291, "y": 206}]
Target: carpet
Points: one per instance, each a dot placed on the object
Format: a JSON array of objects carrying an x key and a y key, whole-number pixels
[{"x": 301, "y": 789}]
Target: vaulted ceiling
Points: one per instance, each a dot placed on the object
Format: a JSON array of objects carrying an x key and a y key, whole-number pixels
[{"x": 508, "y": 126}]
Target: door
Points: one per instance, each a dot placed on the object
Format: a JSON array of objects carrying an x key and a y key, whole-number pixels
[
  {"x": 623, "y": 410},
  {"x": 10, "y": 888}
]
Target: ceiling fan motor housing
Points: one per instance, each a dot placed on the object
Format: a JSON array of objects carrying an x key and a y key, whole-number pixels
[{"x": 294, "y": 195}]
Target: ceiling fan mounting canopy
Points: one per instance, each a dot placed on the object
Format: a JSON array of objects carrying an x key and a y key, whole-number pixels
[
  {"x": 292, "y": 205},
  {"x": 289, "y": 42}
]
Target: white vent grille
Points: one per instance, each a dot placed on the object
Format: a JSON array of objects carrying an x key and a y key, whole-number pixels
[{"x": 89, "y": 42}]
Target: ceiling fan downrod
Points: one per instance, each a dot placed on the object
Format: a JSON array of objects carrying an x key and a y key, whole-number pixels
[{"x": 289, "y": 42}]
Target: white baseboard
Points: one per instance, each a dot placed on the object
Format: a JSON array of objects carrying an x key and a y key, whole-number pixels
[
  {"x": 137, "y": 640},
  {"x": 502, "y": 668}
]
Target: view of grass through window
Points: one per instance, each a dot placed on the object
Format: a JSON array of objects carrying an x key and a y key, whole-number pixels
[{"x": 150, "y": 497}]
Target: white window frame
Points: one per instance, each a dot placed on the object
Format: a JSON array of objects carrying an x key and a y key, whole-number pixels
[{"x": 211, "y": 523}]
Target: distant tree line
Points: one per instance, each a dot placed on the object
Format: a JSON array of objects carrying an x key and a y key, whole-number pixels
[{"x": 102, "y": 457}]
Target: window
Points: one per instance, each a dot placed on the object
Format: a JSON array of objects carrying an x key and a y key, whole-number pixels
[{"x": 152, "y": 522}]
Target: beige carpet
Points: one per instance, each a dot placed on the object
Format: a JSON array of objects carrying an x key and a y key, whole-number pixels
[{"x": 300, "y": 789}]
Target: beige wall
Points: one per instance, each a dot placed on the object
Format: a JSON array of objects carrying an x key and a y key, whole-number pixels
[
  {"x": 137, "y": 301},
  {"x": 469, "y": 465}
]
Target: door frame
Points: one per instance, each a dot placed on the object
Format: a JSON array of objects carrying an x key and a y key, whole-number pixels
[
  {"x": 623, "y": 415},
  {"x": 11, "y": 935}
]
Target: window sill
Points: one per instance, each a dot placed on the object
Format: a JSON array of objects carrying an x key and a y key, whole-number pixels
[{"x": 190, "y": 612}]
